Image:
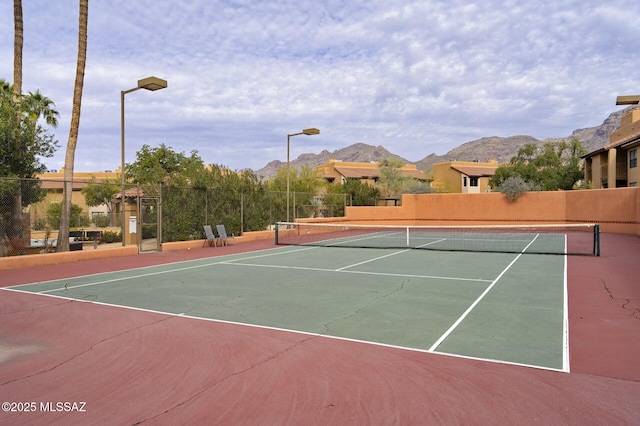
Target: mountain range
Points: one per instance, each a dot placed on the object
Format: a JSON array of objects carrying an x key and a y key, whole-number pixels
[{"x": 501, "y": 149}]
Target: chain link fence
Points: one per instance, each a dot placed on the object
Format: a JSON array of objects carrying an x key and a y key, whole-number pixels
[{"x": 30, "y": 211}]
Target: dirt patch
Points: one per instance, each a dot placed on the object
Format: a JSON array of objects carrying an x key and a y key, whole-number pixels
[{"x": 10, "y": 350}]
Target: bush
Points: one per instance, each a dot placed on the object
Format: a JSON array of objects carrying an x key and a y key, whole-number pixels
[
  {"x": 111, "y": 237},
  {"x": 53, "y": 216},
  {"x": 101, "y": 221},
  {"x": 39, "y": 224},
  {"x": 514, "y": 186},
  {"x": 81, "y": 221},
  {"x": 419, "y": 188}
]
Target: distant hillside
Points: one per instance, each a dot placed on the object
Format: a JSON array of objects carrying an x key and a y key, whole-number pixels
[
  {"x": 485, "y": 149},
  {"x": 503, "y": 149},
  {"x": 359, "y": 152}
]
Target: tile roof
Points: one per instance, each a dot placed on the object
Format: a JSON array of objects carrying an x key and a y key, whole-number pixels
[
  {"x": 374, "y": 172},
  {"x": 480, "y": 171},
  {"x": 59, "y": 184}
]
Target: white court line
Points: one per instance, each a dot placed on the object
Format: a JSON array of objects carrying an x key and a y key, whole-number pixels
[
  {"x": 430, "y": 350},
  {"x": 141, "y": 268},
  {"x": 238, "y": 262},
  {"x": 129, "y": 277},
  {"x": 565, "y": 325},
  {"x": 349, "y": 240},
  {"x": 478, "y": 300},
  {"x": 371, "y": 260},
  {"x": 285, "y": 330},
  {"x": 382, "y": 274}
]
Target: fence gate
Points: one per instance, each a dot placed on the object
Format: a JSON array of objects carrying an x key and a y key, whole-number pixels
[{"x": 149, "y": 212}]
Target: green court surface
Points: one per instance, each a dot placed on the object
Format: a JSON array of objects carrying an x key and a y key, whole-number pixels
[{"x": 494, "y": 306}]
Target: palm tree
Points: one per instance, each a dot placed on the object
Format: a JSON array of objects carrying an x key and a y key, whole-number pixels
[
  {"x": 37, "y": 105},
  {"x": 15, "y": 228},
  {"x": 65, "y": 216},
  {"x": 18, "y": 42}
]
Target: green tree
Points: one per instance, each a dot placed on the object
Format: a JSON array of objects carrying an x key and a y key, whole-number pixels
[
  {"x": 391, "y": 180},
  {"x": 21, "y": 150},
  {"x": 361, "y": 194},
  {"x": 256, "y": 215},
  {"x": 99, "y": 193},
  {"x": 194, "y": 195},
  {"x": 162, "y": 165},
  {"x": 304, "y": 184},
  {"x": 550, "y": 167},
  {"x": 21, "y": 157},
  {"x": 53, "y": 216},
  {"x": 182, "y": 181}
]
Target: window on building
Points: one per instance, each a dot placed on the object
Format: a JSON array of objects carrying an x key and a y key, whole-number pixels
[
  {"x": 473, "y": 181},
  {"x": 633, "y": 158},
  {"x": 464, "y": 181}
]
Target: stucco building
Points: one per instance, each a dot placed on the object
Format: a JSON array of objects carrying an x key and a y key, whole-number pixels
[
  {"x": 53, "y": 182},
  {"x": 465, "y": 177},
  {"x": 616, "y": 164},
  {"x": 338, "y": 172}
]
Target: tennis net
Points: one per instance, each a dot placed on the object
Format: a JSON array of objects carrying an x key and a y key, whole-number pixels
[{"x": 571, "y": 239}]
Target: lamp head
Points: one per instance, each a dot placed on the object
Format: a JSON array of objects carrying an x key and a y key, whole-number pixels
[
  {"x": 628, "y": 100},
  {"x": 311, "y": 131},
  {"x": 152, "y": 83}
]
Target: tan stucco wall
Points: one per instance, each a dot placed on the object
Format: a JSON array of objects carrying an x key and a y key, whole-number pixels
[
  {"x": 616, "y": 210},
  {"x": 244, "y": 238},
  {"x": 17, "y": 262}
]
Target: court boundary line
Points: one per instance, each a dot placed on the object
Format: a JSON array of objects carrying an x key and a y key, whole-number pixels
[
  {"x": 285, "y": 330},
  {"x": 286, "y": 250},
  {"x": 283, "y": 250},
  {"x": 222, "y": 261},
  {"x": 370, "y": 260},
  {"x": 466, "y": 313},
  {"x": 340, "y": 270},
  {"x": 566, "y": 359},
  {"x": 471, "y": 307}
]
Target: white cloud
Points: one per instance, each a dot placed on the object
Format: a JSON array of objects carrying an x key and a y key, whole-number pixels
[{"x": 414, "y": 76}]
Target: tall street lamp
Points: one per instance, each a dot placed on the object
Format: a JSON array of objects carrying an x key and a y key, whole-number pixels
[
  {"x": 309, "y": 132},
  {"x": 149, "y": 83}
]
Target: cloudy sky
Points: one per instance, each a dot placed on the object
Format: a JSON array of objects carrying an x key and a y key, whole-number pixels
[{"x": 415, "y": 76}]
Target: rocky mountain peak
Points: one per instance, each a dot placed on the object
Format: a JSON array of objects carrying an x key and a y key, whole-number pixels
[{"x": 500, "y": 149}]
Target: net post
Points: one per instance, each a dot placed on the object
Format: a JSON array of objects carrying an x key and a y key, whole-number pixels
[
  {"x": 276, "y": 233},
  {"x": 408, "y": 244},
  {"x": 596, "y": 239}
]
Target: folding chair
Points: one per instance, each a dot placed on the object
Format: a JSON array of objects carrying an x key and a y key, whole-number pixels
[
  {"x": 210, "y": 237},
  {"x": 222, "y": 235}
]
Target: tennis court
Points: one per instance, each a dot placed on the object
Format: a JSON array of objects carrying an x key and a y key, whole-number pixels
[
  {"x": 308, "y": 334},
  {"x": 502, "y": 307}
]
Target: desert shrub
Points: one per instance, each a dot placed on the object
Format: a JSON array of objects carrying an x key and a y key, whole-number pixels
[{"x": 514, "y": 186}]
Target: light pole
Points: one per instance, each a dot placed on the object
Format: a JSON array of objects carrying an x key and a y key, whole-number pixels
[
  {"x": 149, "y": 83},
  {"x": 309, "y": 132}
]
